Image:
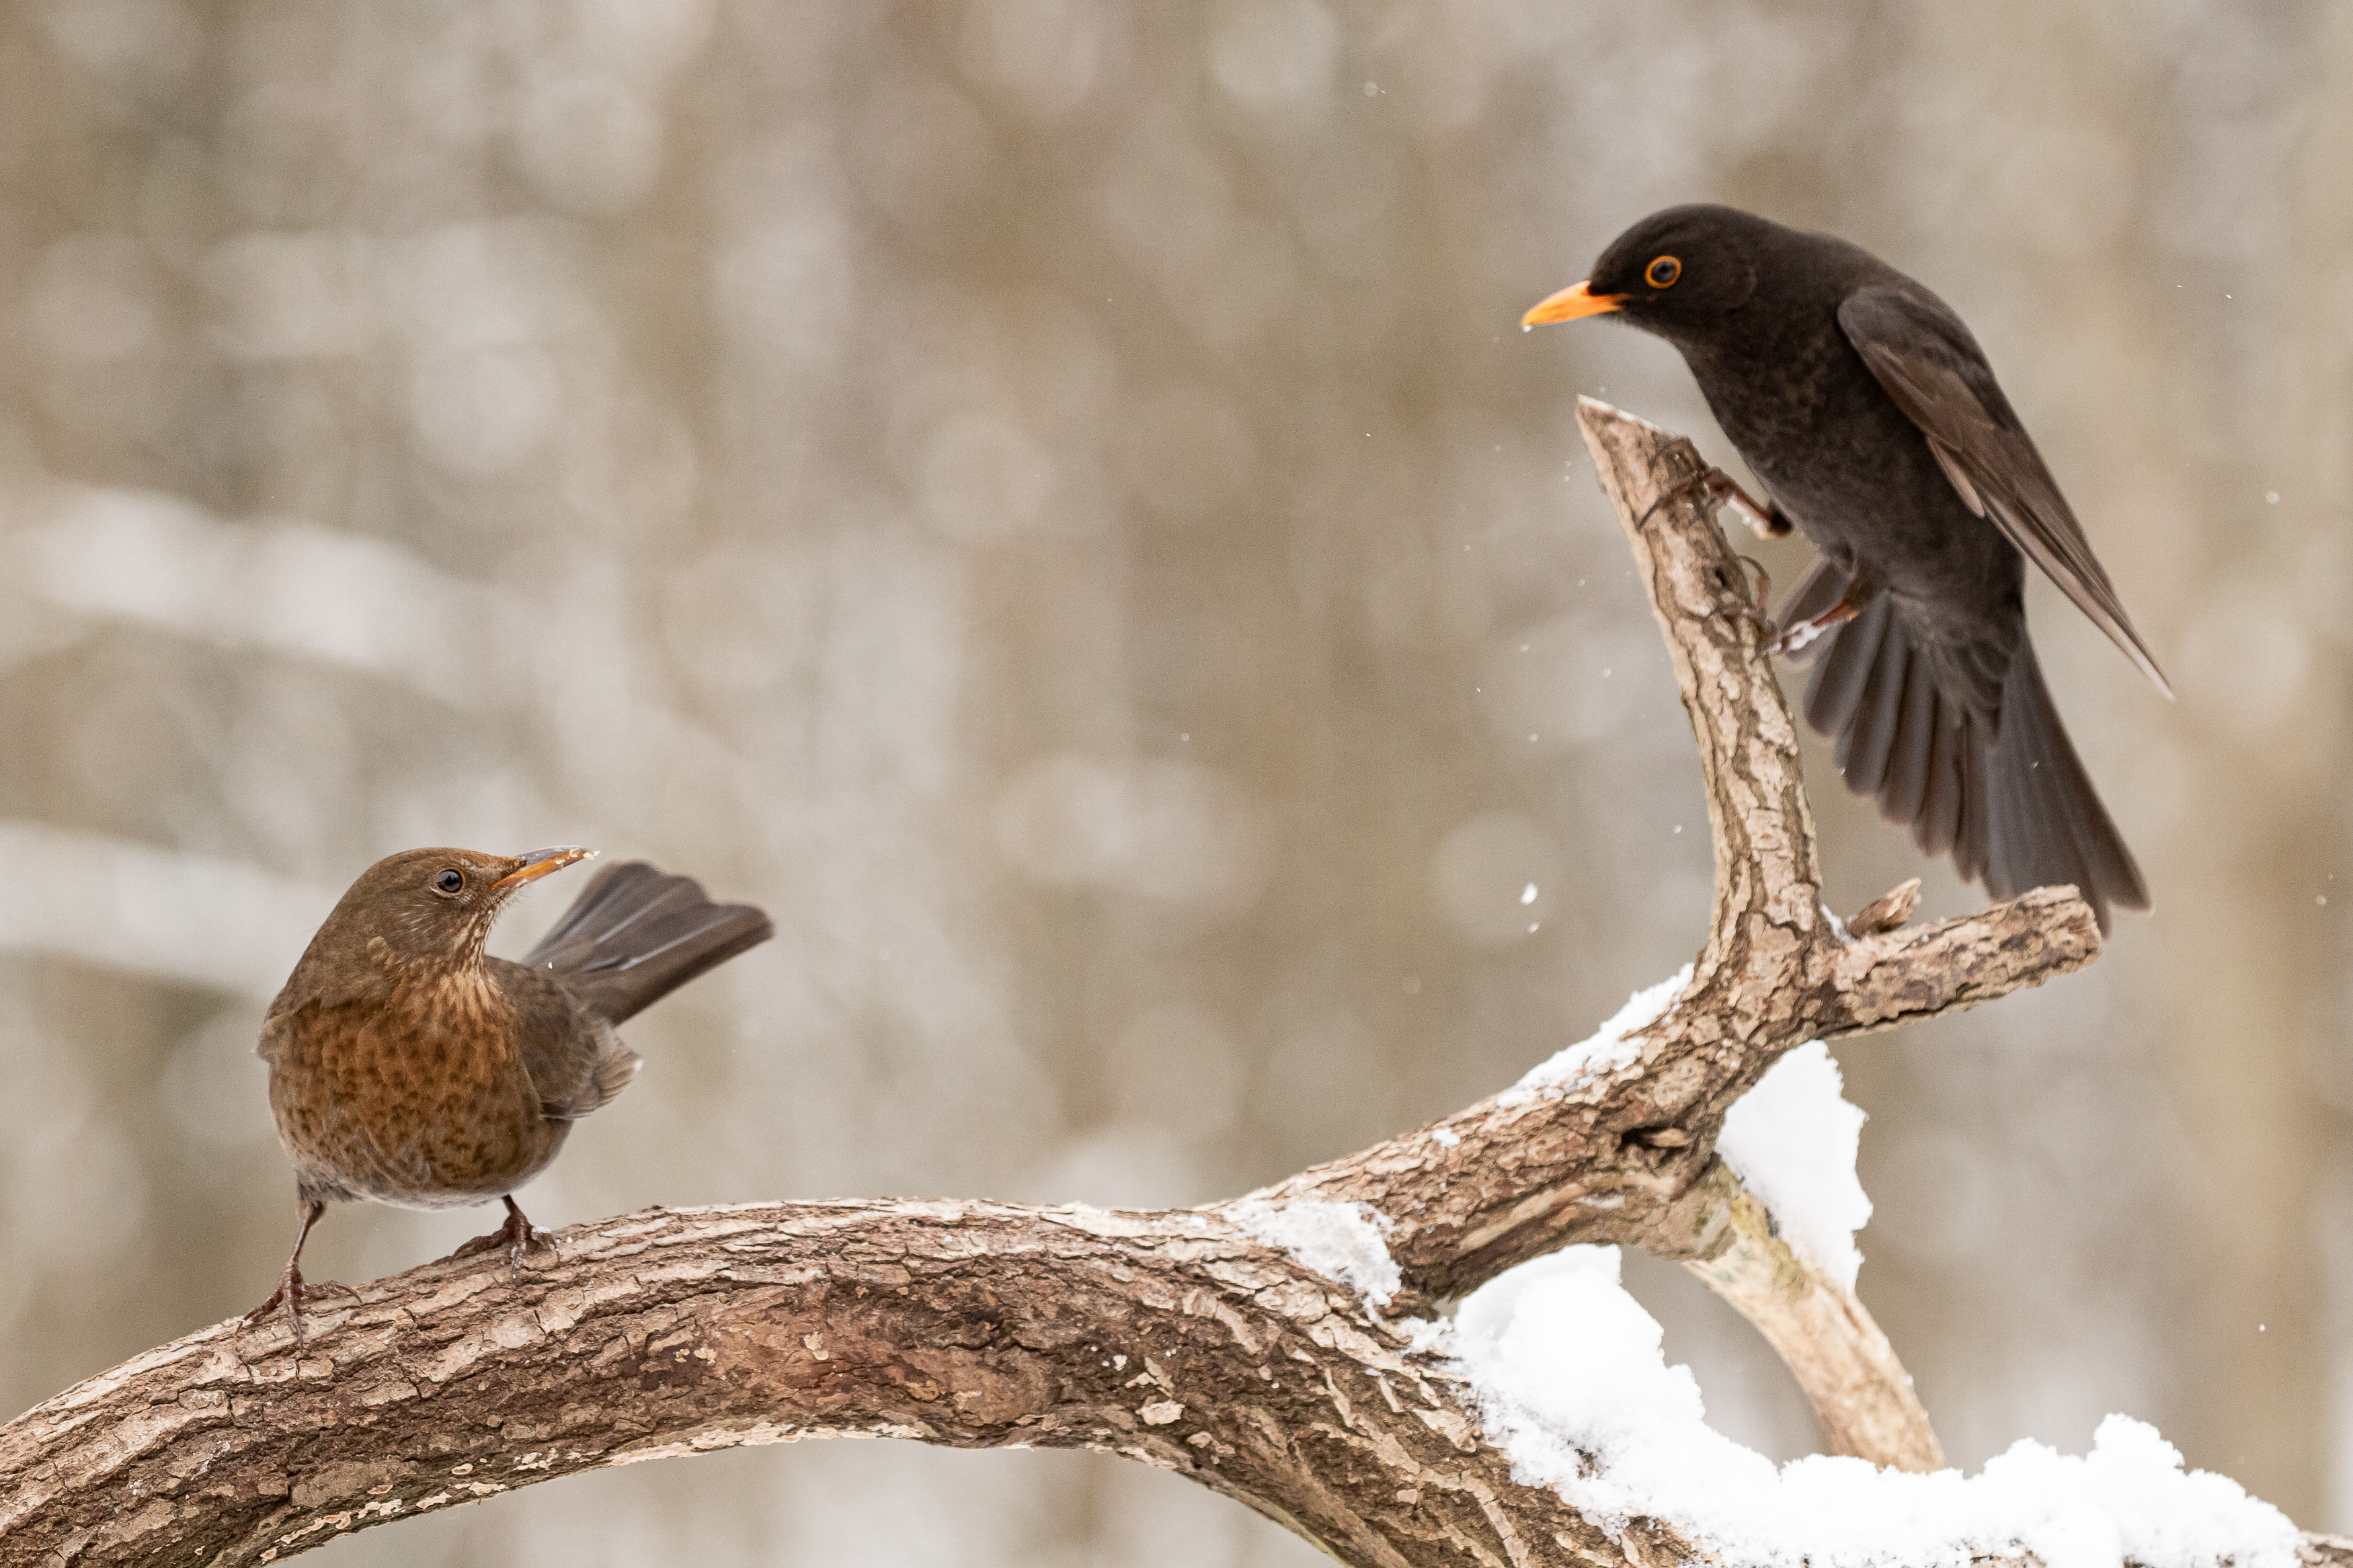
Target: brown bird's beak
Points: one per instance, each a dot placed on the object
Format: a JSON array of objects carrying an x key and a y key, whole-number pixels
[
  {"x": 538, "y": 863},
  {"x": 1571, "y": 304}
]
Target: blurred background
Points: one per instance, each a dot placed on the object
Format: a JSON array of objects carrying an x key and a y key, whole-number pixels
[{"x": 1048, "y": 497}]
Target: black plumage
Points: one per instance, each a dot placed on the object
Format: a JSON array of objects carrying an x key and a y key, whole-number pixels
[{"x": 1871, "y": 416}]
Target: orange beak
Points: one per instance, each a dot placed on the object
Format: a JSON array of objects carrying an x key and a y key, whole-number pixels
[
  {"x": 1569, "y": 304},
  {"x": 538, "y": 863}
]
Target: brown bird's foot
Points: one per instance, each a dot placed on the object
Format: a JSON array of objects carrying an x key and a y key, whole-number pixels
[
  {"x": 518, "y": 1235},
  {"x": 291, "y": 1292}
]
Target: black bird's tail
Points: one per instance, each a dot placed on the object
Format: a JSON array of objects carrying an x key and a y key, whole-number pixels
[
  {"x": 2014, "y": 808},
  {"x": 2055, "y": 830},
  {"x": 636, "y": 934}
]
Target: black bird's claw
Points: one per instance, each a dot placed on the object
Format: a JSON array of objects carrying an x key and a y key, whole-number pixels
[
  {"x": 518, "y": 1235},
  {"x": 1789, "y": 640},
  {"x": 1718, "y": 489},
  {"x": 1754, "y": 611}
]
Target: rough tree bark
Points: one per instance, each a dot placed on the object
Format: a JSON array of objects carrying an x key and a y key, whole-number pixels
[{"x": 1172, "y": 1337}]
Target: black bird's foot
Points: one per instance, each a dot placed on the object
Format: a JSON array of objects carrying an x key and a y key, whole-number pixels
[
  {"x": 1780, "y": 641},
  {"x": 518, "y": 1235},
  {"x": 1789, "y": 640},
  {"x": 291, "y": 1292},
  {"x": 1754, "y": 611},
  {"x": 1719, "y": 489}
]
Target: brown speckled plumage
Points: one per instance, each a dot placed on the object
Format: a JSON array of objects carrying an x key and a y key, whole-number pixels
[{"x": 408, "y": 1067}]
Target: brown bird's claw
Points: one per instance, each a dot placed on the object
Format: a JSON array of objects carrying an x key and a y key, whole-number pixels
[
  {"x": 518, "y": 1235},
  {"x": 291, "y": 1292}
]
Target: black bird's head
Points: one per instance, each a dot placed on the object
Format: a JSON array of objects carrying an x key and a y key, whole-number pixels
[
  {"x": 1677, "y": 273},
  {"x": 429, "y": 906}
]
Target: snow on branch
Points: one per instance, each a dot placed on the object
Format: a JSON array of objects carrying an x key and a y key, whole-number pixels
[{"x": 1285, "y": 1349}]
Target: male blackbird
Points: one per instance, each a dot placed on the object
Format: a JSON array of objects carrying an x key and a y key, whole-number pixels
[
  {"x": 1868, "y": 411},
  {"x": 406, "y": 1067}
]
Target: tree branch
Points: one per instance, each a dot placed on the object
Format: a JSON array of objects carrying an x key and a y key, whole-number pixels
[{"x": 1170, "y": 1337}]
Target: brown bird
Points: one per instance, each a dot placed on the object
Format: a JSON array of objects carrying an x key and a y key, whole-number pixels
[{"x": 408, "y": 1067}]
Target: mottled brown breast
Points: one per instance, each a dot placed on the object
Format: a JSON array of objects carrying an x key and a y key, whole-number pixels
[{"x": 420, "y": 1098}]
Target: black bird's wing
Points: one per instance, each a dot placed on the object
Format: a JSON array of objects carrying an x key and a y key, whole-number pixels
[
  {"x": 1926, "y": 361},
  {"x": 636, "y": 934}
]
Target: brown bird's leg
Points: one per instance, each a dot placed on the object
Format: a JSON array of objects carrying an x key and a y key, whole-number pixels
[
  {"x": 291, "y": 1288},
  {"x": 518, "y": 1235}
]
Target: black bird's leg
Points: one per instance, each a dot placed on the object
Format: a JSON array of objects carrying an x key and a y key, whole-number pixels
[
  {"x": 1789, "y": 640},
  {"x": 518, "y": 1235},
  {"x": 292, "y": 1290},
  {"x": 1765, "y": 518}
]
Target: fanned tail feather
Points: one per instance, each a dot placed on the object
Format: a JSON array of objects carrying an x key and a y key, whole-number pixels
[
  {"x": 636, "y": 934},
  {"x": 2009, "y": 802}
]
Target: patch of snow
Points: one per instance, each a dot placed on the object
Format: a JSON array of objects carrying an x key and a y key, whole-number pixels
[
  {"x": 1792, "y": 1140},
  {"x": 1445, "y": 1136},
  {"x": 1339, "y": 1241},
  {"x": 1609, "y": 1050},
  {"x": 1571, "y": 1384}
]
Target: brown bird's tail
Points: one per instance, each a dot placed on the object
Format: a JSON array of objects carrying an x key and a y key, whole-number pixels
[
  {"x": 636, "y": 934},
  {"x": 2015, "y": 809}
]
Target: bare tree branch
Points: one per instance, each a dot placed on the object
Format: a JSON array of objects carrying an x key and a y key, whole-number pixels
[
  {"x": 1170, "y": 1337},
  {"x": 1863, "y": 1398}
]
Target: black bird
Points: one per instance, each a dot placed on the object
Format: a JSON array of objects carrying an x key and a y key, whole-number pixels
[{"x": 1874, "y": 423}]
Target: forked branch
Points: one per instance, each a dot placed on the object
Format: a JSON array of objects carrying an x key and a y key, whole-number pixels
[{"x": 1171, "y": 1337}]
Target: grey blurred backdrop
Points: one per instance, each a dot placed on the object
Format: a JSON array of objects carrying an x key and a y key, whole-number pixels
[{"x": 1048, "y": 497}]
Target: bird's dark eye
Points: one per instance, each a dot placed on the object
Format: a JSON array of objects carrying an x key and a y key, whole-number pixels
[
  {"x": 449, "y": 881},
  {"x": 1662, "y": 271}
]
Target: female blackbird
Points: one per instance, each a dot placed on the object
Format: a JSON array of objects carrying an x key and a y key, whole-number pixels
[
  {"x": 1873, "y": 420},
  {"x": 406, "y": 1067}
]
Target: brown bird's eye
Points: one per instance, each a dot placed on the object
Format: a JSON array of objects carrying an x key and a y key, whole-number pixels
[
  {"x": 449, "y": 881},
  {"x": 1662, "y": 271}
]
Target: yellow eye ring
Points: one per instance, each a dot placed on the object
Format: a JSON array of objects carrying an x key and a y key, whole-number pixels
[{"x": 1662, "y": 271}]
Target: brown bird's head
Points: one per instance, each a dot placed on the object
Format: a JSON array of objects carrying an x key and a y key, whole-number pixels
[
  {"x": 1676, "y": 273},
  {"x": 423, "y": 908}
]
